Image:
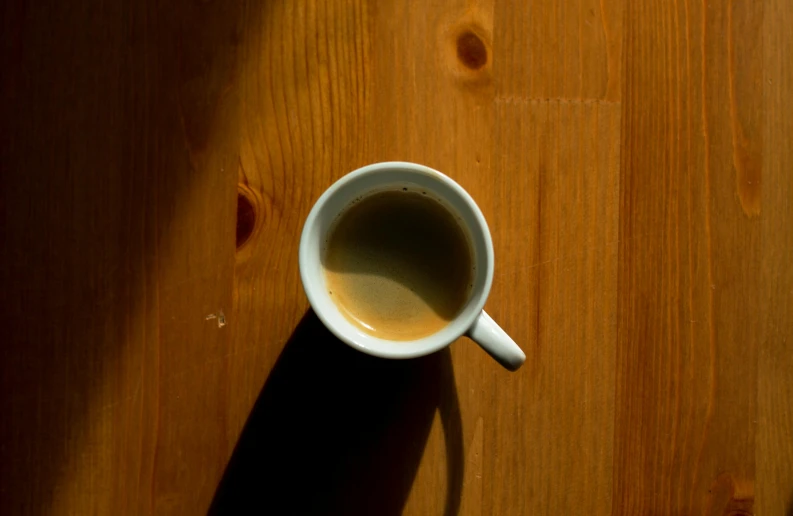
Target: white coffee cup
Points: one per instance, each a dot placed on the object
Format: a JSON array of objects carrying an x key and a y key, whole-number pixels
[{"x": 472, "y": 319}]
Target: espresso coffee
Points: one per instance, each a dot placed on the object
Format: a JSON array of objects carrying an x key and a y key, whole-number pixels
[{"x": 398, "y": 265}]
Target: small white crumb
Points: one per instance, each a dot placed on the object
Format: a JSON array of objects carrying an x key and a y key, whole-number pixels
[{"x": 220, "y": 316}]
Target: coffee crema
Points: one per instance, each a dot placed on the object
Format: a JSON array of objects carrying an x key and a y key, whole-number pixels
[{"x": 398, "y": 265}]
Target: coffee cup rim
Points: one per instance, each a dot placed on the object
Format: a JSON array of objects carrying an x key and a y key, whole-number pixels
[{"x": 312, "y": 276}]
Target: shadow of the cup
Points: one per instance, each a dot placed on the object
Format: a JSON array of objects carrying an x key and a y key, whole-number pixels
[{"x": 335, "y": 431}]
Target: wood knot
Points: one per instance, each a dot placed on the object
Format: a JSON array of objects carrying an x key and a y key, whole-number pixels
[
  {"x": 471, "y": 50},
  {"x": 465, "y": 45},
  {"x": 731, "y": 496},
  {"x": 246, "y": 215}
]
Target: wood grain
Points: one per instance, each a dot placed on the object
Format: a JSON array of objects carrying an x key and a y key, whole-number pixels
[
  {"x": 560, "y": 50},
  {"x": 774, "y": 446},
  {"x": 633, "y": 160},
  {"x": 118, "y": 241},
  {"x": 690, "y": 295},
  {"x": 568, "y": 231}
]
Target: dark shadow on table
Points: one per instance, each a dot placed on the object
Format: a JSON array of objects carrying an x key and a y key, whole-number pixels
[
  {"x": 335, "y": 431},
  {"x": 117, "y": 121}
]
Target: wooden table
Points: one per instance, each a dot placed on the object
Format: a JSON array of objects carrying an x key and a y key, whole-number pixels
[{"x": 634, "y": 160}]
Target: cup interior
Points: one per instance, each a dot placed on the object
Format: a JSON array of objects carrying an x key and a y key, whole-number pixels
[{"x": 367, "y": 181}]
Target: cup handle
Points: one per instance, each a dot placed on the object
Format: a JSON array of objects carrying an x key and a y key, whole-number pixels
[{"x": 496, "y": 342}]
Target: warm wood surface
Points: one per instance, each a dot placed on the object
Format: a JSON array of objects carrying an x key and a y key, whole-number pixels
[{"x": 634, "y": 159}]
